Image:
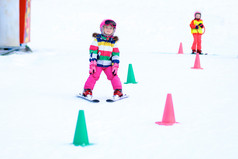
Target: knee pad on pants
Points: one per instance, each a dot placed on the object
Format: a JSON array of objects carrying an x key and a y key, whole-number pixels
[
  {"x": 110, "y": 77},
  {"x": 96, "y": 77}
]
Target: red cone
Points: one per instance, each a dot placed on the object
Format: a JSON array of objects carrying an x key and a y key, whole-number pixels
[
  {"x": 168, "y": 117},
  {"x": 197, "y": 62},
  {"x": 180, "y": 48}
]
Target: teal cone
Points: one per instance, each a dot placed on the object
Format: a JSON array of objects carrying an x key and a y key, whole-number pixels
[
  {"x": 81, "y": 134},
  {"x": 130, "y": 76}
]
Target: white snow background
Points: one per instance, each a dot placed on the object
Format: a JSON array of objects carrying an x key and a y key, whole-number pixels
[{"x": 38, "y": 107}]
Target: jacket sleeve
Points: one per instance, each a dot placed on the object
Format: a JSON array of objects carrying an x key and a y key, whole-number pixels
[
  {"x": 192, "y": 26},
  {"x": 202, "y": 26},
  {"x": 115, "y": 54},
  {"x": 93, "y": 50}
]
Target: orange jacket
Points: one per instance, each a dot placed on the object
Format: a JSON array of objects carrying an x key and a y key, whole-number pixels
[{"x": 195, "y": 23}]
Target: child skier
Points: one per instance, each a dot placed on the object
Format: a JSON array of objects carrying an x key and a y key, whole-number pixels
[
  {"x": 196, "y": 29},
  {"x": 104, "y": 56}
]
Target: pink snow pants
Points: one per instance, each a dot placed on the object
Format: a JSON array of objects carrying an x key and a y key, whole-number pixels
[
  {"x": 197, "y": 43},
  {"x": 92, "y": 79}
]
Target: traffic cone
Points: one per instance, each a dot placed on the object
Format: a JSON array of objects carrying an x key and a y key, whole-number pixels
[
  {"x": 130, "y": 75},
  {"x": 81, "y": 135},
  {"x": 180, "y": 48},
  {"x": 168, "y": 117},
  {"x": 197, "y": 62}
]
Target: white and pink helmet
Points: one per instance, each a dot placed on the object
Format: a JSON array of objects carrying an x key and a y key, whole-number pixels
[{"x": 108, "y": 22}]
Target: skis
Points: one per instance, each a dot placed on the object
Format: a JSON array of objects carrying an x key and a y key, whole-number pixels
[
  {"x": 8, "y": 52},
  {"x": 110, "y": 100},
  {"x": 200, "y": 54},
  {"x": 115, "y": 99},
  {"x": 88, "y": 98}
]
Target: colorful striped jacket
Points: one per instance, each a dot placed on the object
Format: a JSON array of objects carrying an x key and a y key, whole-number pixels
[{"x": 104, "y": 50}]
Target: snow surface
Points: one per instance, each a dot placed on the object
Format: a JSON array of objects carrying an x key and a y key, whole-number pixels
[{"x": 38, "y": 107}]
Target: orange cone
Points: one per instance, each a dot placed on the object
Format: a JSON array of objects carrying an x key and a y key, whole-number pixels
[
  {"x": 168, "y": 117},
  {"x": 197, "y": 62},
  {"x": 180, "y": 48}
]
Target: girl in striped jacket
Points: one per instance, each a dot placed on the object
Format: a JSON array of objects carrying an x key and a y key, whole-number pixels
[{"x": 104, "y": 56}]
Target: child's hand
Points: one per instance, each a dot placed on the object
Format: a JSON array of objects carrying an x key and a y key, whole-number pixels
[
  {"x": 201, "y": 25},
  {"x": 115, "y": 67},
  {"x": 92, "y": 67},
  {"x": 196, "y": 27}
]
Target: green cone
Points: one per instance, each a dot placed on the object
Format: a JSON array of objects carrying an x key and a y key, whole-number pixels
[
  {"x": 81, "y": 134},
  {"x": 130, "y": 75}
]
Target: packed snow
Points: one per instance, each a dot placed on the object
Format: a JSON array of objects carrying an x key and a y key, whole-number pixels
[{"x": 39, "y": 108}]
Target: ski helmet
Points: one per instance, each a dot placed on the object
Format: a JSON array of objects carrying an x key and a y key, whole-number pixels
[
  {"x": 197, "y": 13},
  {"x": 108, "y": 22}
]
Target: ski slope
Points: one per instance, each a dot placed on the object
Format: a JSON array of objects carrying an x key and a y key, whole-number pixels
[{"x": 38, "y": 107}]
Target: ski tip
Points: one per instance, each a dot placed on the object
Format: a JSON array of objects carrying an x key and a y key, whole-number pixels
[
  {"x": 110, "y": 100},
  {"x": 89, "y": 100},
  {"x": 95, "y": 101}
]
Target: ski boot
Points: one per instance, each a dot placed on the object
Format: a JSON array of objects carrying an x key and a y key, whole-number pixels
[
  {"x": 88, "y": 93},
  {"x": 117, "y": 93},
  {"x": 200, "y": 52},
  {"x": 193, "y": 52}
]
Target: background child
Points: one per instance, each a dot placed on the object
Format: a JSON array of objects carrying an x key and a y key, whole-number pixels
[
  {"x": 104, "y": 56},
  {"x": 196, "y": 29}
]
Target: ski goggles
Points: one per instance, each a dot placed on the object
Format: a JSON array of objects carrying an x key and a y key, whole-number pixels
[{"x": 110, "y": 22}]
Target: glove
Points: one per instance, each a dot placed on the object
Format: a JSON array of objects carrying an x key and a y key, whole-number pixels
[
  {"x": 196, "y": 27},
  {"x": 92, "y": 67},
  {"x": 201, "y": 25},
  {"x": 115, "y": 67}
]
